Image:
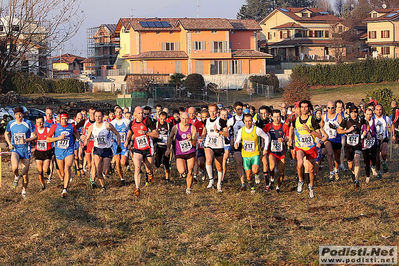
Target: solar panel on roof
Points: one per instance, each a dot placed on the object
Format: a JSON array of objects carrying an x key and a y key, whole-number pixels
[
  {"x": 165, "y": 24},
  {"x": 151, "y": 24},
  {"x": 283, "y": 9},
  {"x": 143, "y": 24},
  {"x": 158, "y": 24},
  {"x": 324, "y": 13},
  {"x": 391, "y": 15}
]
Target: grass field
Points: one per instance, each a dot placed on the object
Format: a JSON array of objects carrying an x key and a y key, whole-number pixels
[{"x": 164, "y": 226}]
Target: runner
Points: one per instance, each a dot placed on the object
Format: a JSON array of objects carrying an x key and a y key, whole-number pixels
[
  {"x": 19, "y": 133},
  {"x": 330, "y": 122},
  {"x": 383, "y": 125},
  {"x": 248, "y": 136},
  {"x": 200, "y": 151},
  {"x": 369, "y": 146},
  {"x": 48, "y": 123},
  {"x": 199, "y": 126},
  {"x": 78, "y": 163},
  {"x": 121, "y": 124},
  {"x": 64, "y": 135},
  {"x": 100, "y": 132},
  {"x": 339, "y": 108},
  {"x": 43, "y": 150},
  {"x": 278, "y": 137},
  {"x": 141, "y": 130},
  {"x": 213, "y": 134},
  {"x": 235, "y": 124},
  {"x": 306, "y": 130},
  {"x": 263, "y": 120},
  {"x": 163, "y": 129},
  {"x": 185, "y": 137},
  {"x": 352, "y": 127},
  {"x": 227, "y": 145}
]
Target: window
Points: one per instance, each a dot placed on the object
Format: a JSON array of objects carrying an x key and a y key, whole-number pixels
[
  {"x": 214, "y": 31},
  {"x": 372, "y": 34},
  {"x": 340, "y": 29},
  {"x": 327, "y": 34},
  {"x": 269, "y": 35},
  {"x": 171, "y": 32},
  {"x": 374, "y": 15},
  {"x": 219, "y": 47},
  {"x": 199, "y": 67},
  {"x": 199, "y": 46},
  {"x": 170, "y": 46},
  {"x": 385, "y": 50},
  {"x": 232, "y": 32},
  {"x": 158, "y": 32},
  {"x": 198, "y": 32},
  {"x": 281, "y": 34},
  {"x": 310, "y": 33},
  {"x": 305, "y": 15},
  {"x": 217, "y": 67},
  {"x": 318, "y": 33},
  {"x": 385, "y": 34},
  {"x": 235, "y": 67}
]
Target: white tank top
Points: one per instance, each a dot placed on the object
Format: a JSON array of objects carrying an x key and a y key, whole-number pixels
[
  {"x": 213, "y": 139},
  {"x": 102, "y": 136}
]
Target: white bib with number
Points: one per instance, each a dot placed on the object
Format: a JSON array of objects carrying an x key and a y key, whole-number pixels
[
  {"x": 19, "y": 138},
  {"x": 63, "y": 143},
  {"x": 332, "y": 133},
  {"x": 100, "y": 140},
  {"x": 276, "y": 146},
  {"x": 164, "y": 139},
  {"x": 41, "y": 145},
  {"x": 142, "y": 142},
  {"x": 123, "y": 136},
  {"x": 352, "y": 139},
  {"x": 185, "y": 145},
  {"x": 306, "y": 140},
  {"x": 212, "y": 141},
  {"x": 368, "y": 143},
  {"x": 249, "y": 145}
]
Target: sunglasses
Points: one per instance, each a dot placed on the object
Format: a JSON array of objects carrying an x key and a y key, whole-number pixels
[{"x": 330, "y": 107}]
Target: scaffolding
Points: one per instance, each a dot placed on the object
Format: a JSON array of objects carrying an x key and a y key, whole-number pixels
[{"x": 102, "y": 47}]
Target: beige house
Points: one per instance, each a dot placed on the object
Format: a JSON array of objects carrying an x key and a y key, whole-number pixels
[
  {"x": 303, "y": 33},
  {"x": 383, "y": 32}
]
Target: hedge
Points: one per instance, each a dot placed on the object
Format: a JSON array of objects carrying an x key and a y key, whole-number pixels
[
  {"x": 365, "y": 71},
  {"x": 27, "y": 84}
]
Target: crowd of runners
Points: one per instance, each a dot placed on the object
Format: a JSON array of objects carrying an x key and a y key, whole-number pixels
[{"x": 203, "y": 141}]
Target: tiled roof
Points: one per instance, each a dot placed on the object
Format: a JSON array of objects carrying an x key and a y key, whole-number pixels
[
  {"x": 158, "y": 54},
  {"x": 288, "y": 25},
  {"x": 382, "y": 10},
  {"x": 110, "y": 27},
  {"x": 67, "y": 58},
  {"x": 315, "y": 16},
  {"x": 386, "y": 17},
  {"x": 383, "y": 43},
  {"x": 245, "y": 24},
  {"x": 206, "y": 24},
  {"x": 303, "y": 42},
  {"x": 250, "y": 53}
]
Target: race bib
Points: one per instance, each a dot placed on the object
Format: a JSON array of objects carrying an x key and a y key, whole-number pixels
[
  {"x": 123, "y": 136},
  {"x": 19, "y": 138},
  {"x": 41, "y": 145},
  {"x": 63, "y": 143},
  {"x": 164, "y": 139},
  {"x": 213, "y": 141},
  {"x": 332, "y": 133},
  {"x": 276, "y": 146},
  {"x": 101, "y": 140},
  {"x": 306, "y": 140},
  {"x": 368, "y": 143},
  {"x": 185, "y": 145},
  {"x": 352, "y": 139},
  {"x": 249, "y": 145},
  {"x": 142, "y": 142}
]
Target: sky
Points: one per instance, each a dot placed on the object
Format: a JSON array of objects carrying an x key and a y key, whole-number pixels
[{"x": 99, "y": 12}]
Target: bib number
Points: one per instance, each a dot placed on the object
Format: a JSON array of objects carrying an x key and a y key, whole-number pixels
[
  {"x": 353, "y": 139},
  {"x": 164, "y": 139},
  {"x": 142, "y": 142},
  {"x": 369, "y": 143},
  {"x": 41, "y": 145},
  {"x": 101, "y": 140},
  {"x": 276, "y": 146},
  {"x": 63, "y": 143},
  {"x": 123, "y": 136},
  {"x": 19, "y": 138},
  {"x": 332, "y": 133},
  {"x": 213, "y": 141},
  {"x": 249, "y": 146},
  {"x": 185, "y": 145},
  {"x": 306, "y": 140}
]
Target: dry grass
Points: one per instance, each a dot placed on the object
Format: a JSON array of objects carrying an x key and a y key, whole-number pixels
[{"x": 166, "y": 227}]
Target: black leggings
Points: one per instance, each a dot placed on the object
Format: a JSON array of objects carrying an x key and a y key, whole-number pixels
[{"x": 369, "y": 154}]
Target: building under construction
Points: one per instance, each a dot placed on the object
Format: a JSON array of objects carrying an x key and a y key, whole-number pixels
[{"x": 102, "y": 48}]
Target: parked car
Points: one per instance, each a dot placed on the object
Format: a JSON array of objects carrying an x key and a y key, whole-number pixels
[{"x": 30, "y": 113}]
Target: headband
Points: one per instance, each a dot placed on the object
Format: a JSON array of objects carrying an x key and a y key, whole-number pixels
[{"x": 64, "y": 115}]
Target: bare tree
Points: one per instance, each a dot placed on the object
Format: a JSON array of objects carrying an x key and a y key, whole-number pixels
[
  {"x": 31, "y": 29},
  {"x": 339, "y": 6},
  {"x": 216, "y": 89}
]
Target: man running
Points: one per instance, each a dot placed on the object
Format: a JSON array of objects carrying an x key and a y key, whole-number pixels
[
  {"x": 121, "y": 125},
  {"x": 141, "y": 130},
  {"x": 185, "y": 136},
  {"x": 330, "y": 122},
  {"x": 200, "y": 151},
  {"x": 64, "y": 135},
  {"x": 383, "y": 125},
  {"x": 305, "y": 130},
  {"x": 340, "y": 109},
  {"x": 213, "y": 134},
  {"x": 163, "y": 129},
  {"x": 43, "y": 150},
  {"x": 48, "y": 123},
  {"x": 248, "y": 136},
  {"x": 19, "y": 133},
  {"x": 100, "y": 131},
  {"x": 263, "y": 120},
  {"x": 278, "y": 137},
  {"x": 227, "y": 145},
  {"x": 369, "y": 145},
  {"x": 236, "y": 123},
  {"x": 352, "y": 127}
]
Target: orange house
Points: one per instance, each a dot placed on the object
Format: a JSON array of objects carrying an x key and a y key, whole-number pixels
[{"x": 212, "y": 46}]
